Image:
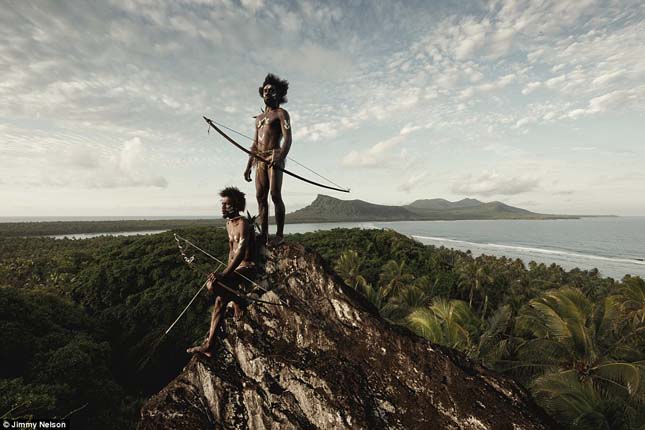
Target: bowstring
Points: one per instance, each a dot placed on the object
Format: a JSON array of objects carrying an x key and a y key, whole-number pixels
[
  {"x": 178, "y": 237},
  {"x": 190, "y": 261},
  {"x": 288, "y": 158},
  {"x": 245, "y": 296}
]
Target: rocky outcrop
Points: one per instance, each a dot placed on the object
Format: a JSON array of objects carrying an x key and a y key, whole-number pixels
[{"x": 326, "y": 360}]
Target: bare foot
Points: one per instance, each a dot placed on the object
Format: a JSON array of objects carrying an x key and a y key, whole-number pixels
[{"x": 202, "y": 349}]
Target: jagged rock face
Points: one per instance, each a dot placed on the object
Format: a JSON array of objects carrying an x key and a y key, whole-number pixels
[{"x": 326, "y": 360}]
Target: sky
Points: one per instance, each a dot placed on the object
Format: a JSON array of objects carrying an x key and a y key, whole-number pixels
[{"x": 539, "y": 104}]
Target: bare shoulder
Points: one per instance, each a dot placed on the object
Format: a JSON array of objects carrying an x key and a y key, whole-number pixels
[
  {"x": 243, "y": 225},
  {"x": 282, "y": 113}
]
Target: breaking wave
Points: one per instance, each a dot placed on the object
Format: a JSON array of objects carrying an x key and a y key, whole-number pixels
[{"x": 530, "y": 250}]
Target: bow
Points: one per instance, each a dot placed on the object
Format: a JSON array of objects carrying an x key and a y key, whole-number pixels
[
  {"x": 264, "y": 160},
  {"x": 190, "y": 261},
  {"x": 232, "y": 291}
]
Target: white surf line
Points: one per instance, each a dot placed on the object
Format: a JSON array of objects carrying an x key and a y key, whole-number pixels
[{"x": 535, "y": 250}]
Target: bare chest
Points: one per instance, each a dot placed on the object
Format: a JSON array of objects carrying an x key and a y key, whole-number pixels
[
  {"x": 234, "y": 236},
  {"x": 269, "y": 129}
]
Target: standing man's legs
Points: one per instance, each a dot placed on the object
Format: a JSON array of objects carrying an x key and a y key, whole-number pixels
[
  {"x": 275, "y": 180},
  {"x": 262, "y": 195}
]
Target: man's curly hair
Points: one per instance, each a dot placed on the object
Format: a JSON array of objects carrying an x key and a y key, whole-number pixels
[
  {"x": 237, "y": 197},
  {"x": 281, "y": 87}
]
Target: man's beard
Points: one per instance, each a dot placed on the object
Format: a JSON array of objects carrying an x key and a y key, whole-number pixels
[
  {"x": 230, "y": 214},
  {"x": 272, "y": 102}
]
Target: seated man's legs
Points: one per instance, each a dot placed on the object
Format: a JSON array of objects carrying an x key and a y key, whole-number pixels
[
  {"x": 242, "y": 279},
  {"x": 222, "y": 296},
  {"x": 219, "y": 306}
]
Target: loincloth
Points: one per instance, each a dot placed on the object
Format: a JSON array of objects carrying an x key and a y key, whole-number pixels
[{"x": 267, "y": 155}]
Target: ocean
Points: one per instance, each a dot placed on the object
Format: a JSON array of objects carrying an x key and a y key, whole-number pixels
[{"x": 613, "y": 245}]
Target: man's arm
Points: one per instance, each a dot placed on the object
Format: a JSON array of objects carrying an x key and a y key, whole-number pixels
[
  {"x": 285, "y": 125},
  {"x": 254, "y": 148}
]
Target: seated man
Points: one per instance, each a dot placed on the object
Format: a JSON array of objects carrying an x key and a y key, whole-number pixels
[{"x": 240, "y": 269}]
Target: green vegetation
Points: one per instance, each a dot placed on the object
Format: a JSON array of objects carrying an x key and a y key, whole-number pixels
[
  {"x": 54, "y": 228},
  {"x": 81, "y": 317}
]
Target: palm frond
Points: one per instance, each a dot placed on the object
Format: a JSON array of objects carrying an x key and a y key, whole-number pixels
[{"x": 624, "y": 375}]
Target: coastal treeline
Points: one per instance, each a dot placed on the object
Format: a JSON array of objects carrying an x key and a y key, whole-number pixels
[
  {"x": 83, "y": 320},
  {"x": 59, "y": 228}
]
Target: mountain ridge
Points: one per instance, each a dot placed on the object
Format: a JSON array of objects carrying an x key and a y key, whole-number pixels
[
  {"x": 330, "y": 209},
  {"x": 438, "y": 204}
]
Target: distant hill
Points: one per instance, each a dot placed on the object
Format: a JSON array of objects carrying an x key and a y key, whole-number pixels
[
  {"x": 330, "y": 209},
  {"x": 322, "y": 209},
  {"x": 441, "y": 204},
  {"x": 326, "y": 208}
]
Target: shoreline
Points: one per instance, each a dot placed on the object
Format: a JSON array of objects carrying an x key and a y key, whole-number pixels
[
  {"x": 70, "y": 227},
  {"x": 615, "y": 266}
]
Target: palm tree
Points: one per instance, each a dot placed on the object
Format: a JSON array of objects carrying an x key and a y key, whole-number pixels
[
  {"x": 388, "y": 310},
  {"x": 393, "y": 278},
  {"x": 495, "y": 343},
  {"x": 629, "y": 301},
  {"x": 567, "y": 332},
  {"x": 447, "y": 322},
  {"x": 398, "y": 307},
  {"x": 578, "y": 404},
  {"x": 411, "y": 297},
  {"x": 474, "y": 277},
  {"x": 348, "y": 267}
]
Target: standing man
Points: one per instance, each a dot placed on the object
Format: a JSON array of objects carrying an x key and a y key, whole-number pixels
[
  {"x": 271, "y": 126},
  {"x": 239, "y": 271}
]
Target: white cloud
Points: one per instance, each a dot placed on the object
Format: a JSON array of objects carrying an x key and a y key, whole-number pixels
[
  {"x": 126, "y": 168},
  {"x": 310, "y": 58},
  {"x": 614, "y": 99},
  {"x": 577, "y": 113},
  {"x": 318, "y": 131},
  {"x": 554, "y": 82},
  {"x": 498, "y": 84},
  {"x": 409, "y": 128},
  {"x": 89, "y": 166},
  {"x": 530, "y": 87},
  {"x": 378, "y": 155},
  {"x": 473, "y": 39},
  {"x": 152, "y": 67},
  {"x": 412, "y": 182},
  {"x": 524, "y": 121},
  {"x": 491, "y": 183},
  {"x": 608, "y": 77}
]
